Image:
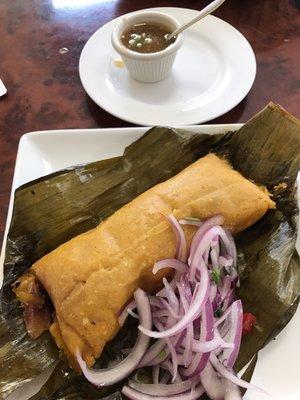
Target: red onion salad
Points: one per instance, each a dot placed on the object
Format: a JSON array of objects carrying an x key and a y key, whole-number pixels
[{"x": 197, "y": 322}]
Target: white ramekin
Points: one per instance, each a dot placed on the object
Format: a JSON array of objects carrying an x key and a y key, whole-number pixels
[{"x": 147, "y": 67}]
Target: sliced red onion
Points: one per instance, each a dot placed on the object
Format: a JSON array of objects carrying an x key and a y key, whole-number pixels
[
  {"x": 159, "y": 351},
  {"x": 170, "y": 263},
  {"x": 213, "y": 385},
  {"x": 173, "y": 284},
  {"x": 172, "y": 351},
  {"x": 213, "y": 291},
  {"x": 206, "y": 333},
  {"x": 110, "y": 376},
  {"x": 234, "y": 335},
  {"x": 136, "y": 395},
  {"x": 181, "y": 247},
  {"x": 154, "y": 352},
  {"x": 167, "y": 365},
  {"x": 226, "y": 286},
  {"x": 209, "y": 345},
  {"x": 189, "y": 343},
  {"x": 166, "y": 378},
  {"x": 225, "y": 328},
  {"x": 180, "y": 357},
  {"x": 226, "y": 292},
  {"x": 214, "y": 259},
  {"x": 232, "y": 392},
  {"x": 215, "y": 243},
  {"x": 193, "y": 312},
  {"x": 226, "y": 262},
  {"x": 217, "y": 302},
  {"x": 209, "y": 223},
  {"x": 220, "y": 320},
  {"x": 163, "y": 390},
  {"x": 191, "y": 370},
  {"x": 232, "y": 247},
  {"x": 124, "y": 314},
  {"x": 166, "y": 312},
  {"x": 186, "y": 288},
  {"x": 224, "y": 345},
  {"x": 228, "y": 299},
  {"x": 154, "y": 301},
  {"x": 206, "y": 255},
  {"x": 214, "y": 253},
  {"x": 178, "y": 339},
  {"x": 202, "y": 245},
  {"x": 155, "y": 374},
  {"x": 223, "y": 371},
  {"x": 171, "y": 296},
  {"x": 133, "y": 314},
  {"x": 187, "y": 355}
]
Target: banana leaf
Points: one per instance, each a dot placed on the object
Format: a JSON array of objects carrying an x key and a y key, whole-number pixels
[{"x": 55, "y": 208}]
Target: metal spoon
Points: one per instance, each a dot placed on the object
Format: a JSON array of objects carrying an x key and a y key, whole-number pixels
[{"x": 203, "y": 13}]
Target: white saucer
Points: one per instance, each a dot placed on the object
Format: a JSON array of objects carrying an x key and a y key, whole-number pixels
[{"x": 214, "y": 70}]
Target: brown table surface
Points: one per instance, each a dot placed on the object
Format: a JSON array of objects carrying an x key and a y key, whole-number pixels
[{"x": 44, "y": 90}]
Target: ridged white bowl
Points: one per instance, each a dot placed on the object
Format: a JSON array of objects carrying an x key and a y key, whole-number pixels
[{"x": 147, "y": 67}]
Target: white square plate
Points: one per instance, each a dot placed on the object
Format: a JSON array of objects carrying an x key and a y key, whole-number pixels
[{"x": 41, "y": 153}]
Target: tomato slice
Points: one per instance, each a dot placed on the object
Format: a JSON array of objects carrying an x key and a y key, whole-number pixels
[{"x": 249, "y": 320}]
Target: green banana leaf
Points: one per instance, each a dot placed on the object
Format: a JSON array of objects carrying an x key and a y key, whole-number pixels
[{"x": 55, "y": 208}]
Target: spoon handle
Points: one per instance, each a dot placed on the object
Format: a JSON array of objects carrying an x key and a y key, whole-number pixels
[{"x": 203, "y": 13}]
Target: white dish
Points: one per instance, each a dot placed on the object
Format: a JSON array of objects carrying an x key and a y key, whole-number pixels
[
  {"x": 213, "y": 71},
  {"x": 41, "y": 153}
]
